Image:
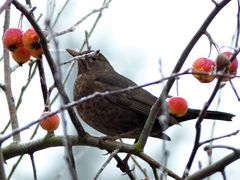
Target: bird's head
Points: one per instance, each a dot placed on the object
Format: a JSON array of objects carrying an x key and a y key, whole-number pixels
[{"x": 90, "y": 61}]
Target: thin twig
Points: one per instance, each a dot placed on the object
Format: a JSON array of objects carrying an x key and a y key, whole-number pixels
[
  {"x": 238, "y": 25},
  {"x": 209, "y": 153},
  {"x": 87, "y": 41},
  {"x": 73, "y": 27},
  {"x": 7, "y": 82},
  {"x": 33, "y": 166},
  {"x": 234, "y": 89},
  {"x": 60, "y": 13},
  {"x": 223, "y": 175},
  {"x": 81, "y": 57},
  {"x": 14, "y": 167},
  {"x": 155, "y": 173},
  {"x": 220, "y": 146},
  {"x": 20, "y": 157},
  {"x": 212, "y": 42},
  {"x": 19, "y": 101},
  {"x": 68, "y": 146},
  {"x": 5, "y": 5},
  {"x": 198, "y": 128},
  {"x": 139, "y": 166},
  {"x": 106, "y": 163},
  {"x": 68, "y": 149},
  {"x": 220, "y": 137},
  {"x": 214, "y": 2},
  {"x": 43, "y": 81}
]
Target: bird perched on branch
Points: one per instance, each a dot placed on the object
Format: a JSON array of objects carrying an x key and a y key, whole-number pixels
[{"x": 122, "y": 114}]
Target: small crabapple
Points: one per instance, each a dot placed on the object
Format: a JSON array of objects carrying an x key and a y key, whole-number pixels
[
  {"x": 234, "y": 64},
  {"x": 223, "y": 61},
  {"x": 21, "y": 55},
  {"x": 31, "y": 42},
  {"x": 177, "y": 106},
  {"x": 203, "y": 65},
  {"x": 50, "y": 123},
  {"x": 12, "y": 39}
]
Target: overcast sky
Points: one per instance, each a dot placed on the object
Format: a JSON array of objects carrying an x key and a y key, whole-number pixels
[{"x": 134, "y": 35}]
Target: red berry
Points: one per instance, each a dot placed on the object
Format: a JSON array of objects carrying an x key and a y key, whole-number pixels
[
  {"x": 12, "y": 39},
  {"x": 31, "y": 42},
  {"x": 203, "y": 65},
  {"x": 234, "y": 64},
  {"x": 50, "y": 123},
  {"x": 21, "y": 55},
  {"x": 223, "y": 61},
  {"x": 177, "y": 106}
]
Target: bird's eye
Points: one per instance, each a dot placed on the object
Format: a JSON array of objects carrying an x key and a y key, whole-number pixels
[{"x": 94, "y": 58}]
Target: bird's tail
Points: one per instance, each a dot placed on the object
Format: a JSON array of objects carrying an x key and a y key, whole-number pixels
[{"x": 216, "y": 115}]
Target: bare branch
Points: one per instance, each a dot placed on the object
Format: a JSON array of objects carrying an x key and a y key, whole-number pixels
[
  {"x": 5, "y": 5},
  {"x": 238, "y": 25},
  {"x": 198, "y": 128},
  {"x": 43, "y": 81},
  {"x": 234, "y": 90},
  {"x": 73, "y": 27},
  {"x": 220, "y": 137},
  {"x": 68, "y": 146},
  {"x": 106, "y": 163},
  {"x": 60, "y": 12},
  {"x": 220, "y": 146},
  {"x": 14, "y": 150},
  {"x": 215, "y": 167},
  {"x": 33, "y": 166},
  {"x": 7, "y": 81}
]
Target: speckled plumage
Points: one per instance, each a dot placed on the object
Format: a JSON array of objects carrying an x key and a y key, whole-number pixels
[{"x": 119, "y": 114}]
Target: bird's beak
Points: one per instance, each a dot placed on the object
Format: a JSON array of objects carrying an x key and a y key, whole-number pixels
[
  {"x": 82, "y": 65},
  {"x": 73, "y": 53}
]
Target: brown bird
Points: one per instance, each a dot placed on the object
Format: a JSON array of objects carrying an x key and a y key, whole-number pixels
[{"x": 122, "y": 114}]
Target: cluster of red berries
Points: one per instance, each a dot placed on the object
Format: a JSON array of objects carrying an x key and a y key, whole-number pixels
[
  {"x": 206, "y": 65},
  {"x": 177, "y": 105},
  {"x": 22, "y": 45}
]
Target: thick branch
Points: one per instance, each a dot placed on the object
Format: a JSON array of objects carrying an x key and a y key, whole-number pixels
[
  {"x": 14, "y": 150},
  {"x": 215, "y": 167}
]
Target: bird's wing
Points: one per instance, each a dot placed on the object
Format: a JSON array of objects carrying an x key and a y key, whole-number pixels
[{"x": 138, "y": 100}]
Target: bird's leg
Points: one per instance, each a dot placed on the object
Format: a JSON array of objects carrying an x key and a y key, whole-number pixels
[{"x": 123, "y": 165}]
